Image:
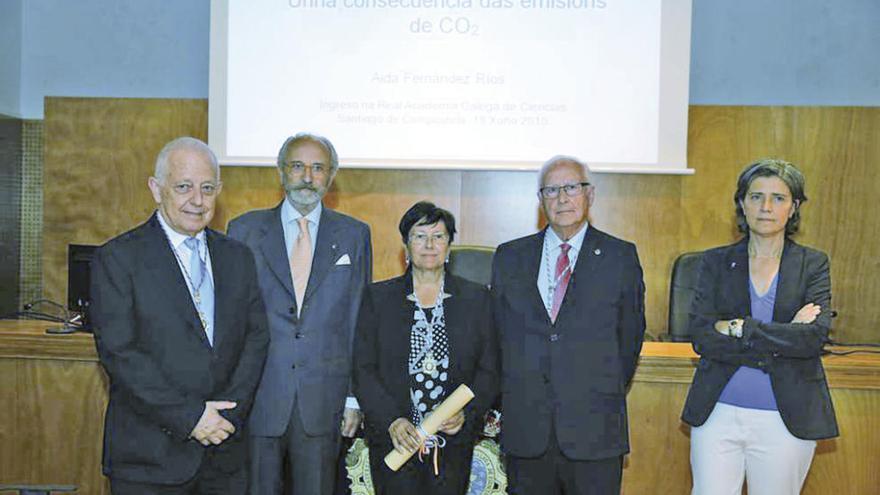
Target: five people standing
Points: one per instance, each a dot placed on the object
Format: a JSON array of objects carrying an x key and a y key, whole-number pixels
[{"x": 233, "y": 360}]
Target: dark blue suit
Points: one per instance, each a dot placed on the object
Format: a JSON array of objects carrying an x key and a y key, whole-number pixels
[
  {"x": 569, "y": 377},
  {"x": 162, "y": 369}
]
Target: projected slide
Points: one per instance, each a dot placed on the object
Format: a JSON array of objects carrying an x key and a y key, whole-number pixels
[{"x": 484, "y": 84}]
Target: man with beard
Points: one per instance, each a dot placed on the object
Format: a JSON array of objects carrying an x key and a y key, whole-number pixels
[{"x": 313, "y": 264}]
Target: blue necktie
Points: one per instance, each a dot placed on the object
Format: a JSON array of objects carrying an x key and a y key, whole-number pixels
[{"x": 203, "y": 289}]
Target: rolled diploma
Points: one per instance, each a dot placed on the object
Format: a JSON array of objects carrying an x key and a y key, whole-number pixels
[{"x": 447, "y": 409}]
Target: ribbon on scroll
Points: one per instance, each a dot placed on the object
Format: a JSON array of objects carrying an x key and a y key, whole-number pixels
[{"x": 447, "y": 409}]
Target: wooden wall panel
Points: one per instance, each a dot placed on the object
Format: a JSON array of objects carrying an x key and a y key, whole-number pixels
[
  {"x": 99, "y": 153},
  {"x": 838, "y": 151}
]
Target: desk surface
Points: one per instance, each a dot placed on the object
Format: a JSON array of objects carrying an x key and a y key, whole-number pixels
[
  {"x": 670, "y": 362},
  {"x": 27, "y": 339}
]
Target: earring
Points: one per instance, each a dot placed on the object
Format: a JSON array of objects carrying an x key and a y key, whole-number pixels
[{"x": 447, "y": 260}]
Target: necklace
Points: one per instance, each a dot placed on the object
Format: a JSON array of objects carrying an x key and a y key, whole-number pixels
[
  {"x": 196, "y": 295},
  {"x": 552, "y": 279},
  {"x": 429, "y": 361},
  {"x": 775, "y": 253}
]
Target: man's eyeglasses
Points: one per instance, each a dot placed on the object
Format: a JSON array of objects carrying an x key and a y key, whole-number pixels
[
  {"x": 422, "y": 239},
  {"x": 297, "y": 168},
  {"x": 550, "y": 192}
]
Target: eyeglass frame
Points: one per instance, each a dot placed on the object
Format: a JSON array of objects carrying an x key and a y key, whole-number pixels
[
  {"x": 575, "y": 187},
  {"x": 288, "y": 168},
  {"x": 421, "y": 238}
]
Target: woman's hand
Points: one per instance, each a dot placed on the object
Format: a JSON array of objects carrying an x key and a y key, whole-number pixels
[
  {"x": 453, "y": 425},
  {"x": 807, "y": 314},
  {"x": 404, "y": 436}
]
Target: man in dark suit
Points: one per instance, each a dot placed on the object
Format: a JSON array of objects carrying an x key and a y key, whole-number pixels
[
  {"x": 569, "y": 306},
  {"x": 313, "y": 265},
  {"x": 181, "y": 329}
]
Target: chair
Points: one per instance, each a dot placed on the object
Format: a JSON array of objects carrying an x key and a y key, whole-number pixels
[
  {"x": 473, "y": 263},
  {"x": 682, "y": 289}
]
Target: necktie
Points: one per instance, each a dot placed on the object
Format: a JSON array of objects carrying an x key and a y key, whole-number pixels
[
  {"x": 301, "y": 261},
  {"x": 203, "y": 289},
  {"x": 562, "y": 275}
]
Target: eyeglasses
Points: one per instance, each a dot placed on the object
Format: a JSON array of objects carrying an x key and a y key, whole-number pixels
[
  {"x": 297, "y": 168},
  {"x": 421, "y": 238},
  {"x": 550, "y": 192},
  {"x": 208, "y": 188}
]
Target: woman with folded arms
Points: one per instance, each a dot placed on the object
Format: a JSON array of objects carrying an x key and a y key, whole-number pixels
[{"x": 760, "y": 318}]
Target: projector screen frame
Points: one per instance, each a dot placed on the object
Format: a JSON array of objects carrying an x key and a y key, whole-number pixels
[{"x": 673, "y": 100}]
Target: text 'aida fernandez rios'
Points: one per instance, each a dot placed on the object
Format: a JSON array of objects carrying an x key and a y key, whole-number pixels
[{"x": 447, "y": 4}]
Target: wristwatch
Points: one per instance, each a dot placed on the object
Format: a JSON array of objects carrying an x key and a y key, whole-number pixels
[{"x": 734, "y": 329}]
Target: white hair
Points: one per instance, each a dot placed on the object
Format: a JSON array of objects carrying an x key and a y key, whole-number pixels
[
  {"x": 558, "y": 160},
  {"x": 183, "y": 143}
]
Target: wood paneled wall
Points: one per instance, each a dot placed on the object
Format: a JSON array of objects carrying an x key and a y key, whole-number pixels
[{"x": 99, "y": 153}]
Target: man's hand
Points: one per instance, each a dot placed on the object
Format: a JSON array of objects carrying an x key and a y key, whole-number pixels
[
  {"x": 213, "y": 428},
  {"x": 453, "y": 425},
  {"x": 351, "y": 420},
  {"x": 404, "y": 436}
]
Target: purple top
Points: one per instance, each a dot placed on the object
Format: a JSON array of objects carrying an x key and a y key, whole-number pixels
[{"x": 750, "y": 387}]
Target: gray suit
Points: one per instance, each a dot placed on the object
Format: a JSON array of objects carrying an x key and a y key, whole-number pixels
[{"x": 307, "y": 374}]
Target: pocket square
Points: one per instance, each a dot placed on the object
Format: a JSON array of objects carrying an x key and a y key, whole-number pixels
[{"x": 343, "y": 260}]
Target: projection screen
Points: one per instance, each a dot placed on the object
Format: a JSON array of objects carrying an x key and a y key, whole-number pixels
[{"x": 454, "y": 84}]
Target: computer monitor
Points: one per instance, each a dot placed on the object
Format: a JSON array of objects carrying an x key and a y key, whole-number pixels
[{"x": 79, "y": 258}]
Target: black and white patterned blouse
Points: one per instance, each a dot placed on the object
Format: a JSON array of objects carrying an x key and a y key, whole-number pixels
[{"x": 428, "y": 359}]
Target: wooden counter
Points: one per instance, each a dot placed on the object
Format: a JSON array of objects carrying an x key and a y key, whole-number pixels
[
  {"x": 659, "y": 461},
  {"x": 54, "y": 393}
]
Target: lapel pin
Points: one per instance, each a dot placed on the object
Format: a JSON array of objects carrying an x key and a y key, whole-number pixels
[
  {"x": 733, "y": 264},
  {"x": 597, "y": 252},
  {"x": 333, "y": 247}
]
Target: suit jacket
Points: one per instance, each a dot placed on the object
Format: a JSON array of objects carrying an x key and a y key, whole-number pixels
[
  {"x": 789, "y": 352},
  {"x": 161, "y": 367},
  {"x": 382, "y": 346},
  {"x": 572, "y": 374},
  {"x": 310, "y": 355}
]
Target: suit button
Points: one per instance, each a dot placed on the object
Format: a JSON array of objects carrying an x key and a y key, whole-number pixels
[
  {"x": 554, "y": 337},
  {"x": 292, "y": 310},
  {"x": 293, "y": 366},
  {"x": 298, "y": 335}
]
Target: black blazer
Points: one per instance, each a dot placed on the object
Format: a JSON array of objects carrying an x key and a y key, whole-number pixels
[
  {"x": 572, "y": 374},
  {"x": 789, "y": 352},
  {"x": 161, "y": 367},
  {"x": 381, "y": 353}
]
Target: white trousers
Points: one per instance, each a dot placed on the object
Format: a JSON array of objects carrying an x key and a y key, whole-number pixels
[{"x": 736, "y": 443}]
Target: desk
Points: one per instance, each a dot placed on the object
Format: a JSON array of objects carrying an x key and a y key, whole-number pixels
[{"x": 54, "y": 395}]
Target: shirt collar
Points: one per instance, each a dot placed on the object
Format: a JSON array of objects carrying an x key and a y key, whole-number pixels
[
  {"x": 553, "y": 241},
  {"x": 174, "y": 236},
  {"x": 289, "y": 213}
]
